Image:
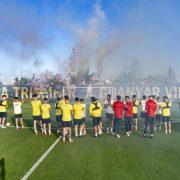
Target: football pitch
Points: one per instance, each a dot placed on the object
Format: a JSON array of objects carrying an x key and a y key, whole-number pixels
[{"x": 89, "y": 158}]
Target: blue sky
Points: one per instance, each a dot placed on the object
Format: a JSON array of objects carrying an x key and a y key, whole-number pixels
[{"x": 39, "y": 35}]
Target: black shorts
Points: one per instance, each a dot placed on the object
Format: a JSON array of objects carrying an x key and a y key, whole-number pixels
[
  {"x": 84, "y": 119},
  {"x": 18, "y": 116},
  {"x": 109, "y": 116},
  {"x": 37, "y": 118},
  {"x": 96, "y": 121},
  {"x": 59, "y": 118},
  {"x": 3, "y": 114},
  {"x": 143, "y": 115},
  {"x": 166, "y": 118},
  {"x": 78, "y": 122},
  {"x": 46, "y": 121},
  {"x": 135, "y": 116},
  {"x": 66, "y": 124}
]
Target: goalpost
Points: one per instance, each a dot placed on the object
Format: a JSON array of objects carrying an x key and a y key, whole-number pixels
[{"x": 87, "y": 92}]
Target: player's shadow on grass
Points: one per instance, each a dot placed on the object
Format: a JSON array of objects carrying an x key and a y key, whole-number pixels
[
  {"x": 2, "y": 169},
  {"x": 176, "y": 127},
  {"x": 29, "y": 123}
]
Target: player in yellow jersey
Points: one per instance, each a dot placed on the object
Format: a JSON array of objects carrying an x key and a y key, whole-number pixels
[
  {"x": 36, "y": 108},
  {"x": 135, "y": 111},
  {"x": 67, "y": 109},
  {"x": 166, "y": 114},
  {"x": 3, "y": 111},
  {"x": 46, "y": 117},
  {"x": 58, "y": 114},
  {"x": 95, "y": 111},
  {"x": 84, "y": 116},
  {"x": 78, "y": 117}
]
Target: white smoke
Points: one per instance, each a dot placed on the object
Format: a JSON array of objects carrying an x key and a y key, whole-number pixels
[
  {"x": 101, "y": 45},
  {"x": 111, "y": 48},
  {"x": 21, "y": 33}
]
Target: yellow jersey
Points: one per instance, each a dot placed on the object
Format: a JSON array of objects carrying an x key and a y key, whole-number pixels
[
  {"x": 58, "y": 108},
  {"x": 95, "y": 109},
  {"x": 135, "y": 106},
  {"x": 166, "y": 108},
  {"x": 78, "y": 111},
  {"x": 3, "y": 106},
  {"x": 46, "y": 108},
  {"x": 36, "y": 106},
  {"x": 66, "y": 112}
]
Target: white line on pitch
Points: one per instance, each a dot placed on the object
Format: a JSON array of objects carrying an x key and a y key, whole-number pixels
[{"x": 34, "y": 167}]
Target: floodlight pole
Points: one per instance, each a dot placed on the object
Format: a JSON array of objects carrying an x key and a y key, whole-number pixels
[
  {"x": 74, "y": 56},
  {"x": 21, "y": 73}
]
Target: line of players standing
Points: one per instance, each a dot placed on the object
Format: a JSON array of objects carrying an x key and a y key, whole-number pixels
[{"x": 154, "y": 113}]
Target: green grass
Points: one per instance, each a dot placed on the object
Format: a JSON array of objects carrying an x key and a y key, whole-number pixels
[
  {"x": 20, "y": 150},
  {"x": 90, "y": 158}
]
